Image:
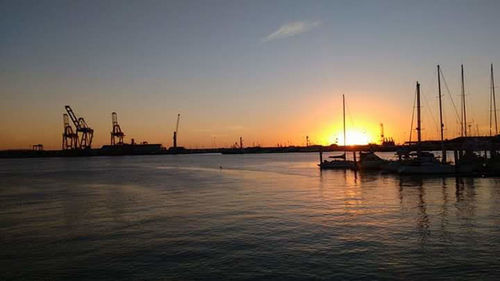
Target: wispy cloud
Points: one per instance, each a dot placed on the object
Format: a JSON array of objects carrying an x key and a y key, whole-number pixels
[{"x": 291, "y": 29}]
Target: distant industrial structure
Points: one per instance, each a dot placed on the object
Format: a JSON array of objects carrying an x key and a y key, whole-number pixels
[
  {"x": 69, "y": 137},
  {"x": 385, "y": 141},
  {"x": 116, "y": 133},
  {"x": 81, "y": 138},
  {"x": 175, "y": 149},
  {"x": 38, "y": 147},
  {"x": 78, "y": 140},
  {"x": 119, "y": 147},
  {"x": 175, "y": 132}
]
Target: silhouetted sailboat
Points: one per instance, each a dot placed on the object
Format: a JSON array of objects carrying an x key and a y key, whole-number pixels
[
  {"x": 371, "y": 161},
  {"x": 492, "y": 166},
  {"x": 424, "y": 162},
  {"x": 469, "y": 162},
  {"x": 343, "y": 163}
]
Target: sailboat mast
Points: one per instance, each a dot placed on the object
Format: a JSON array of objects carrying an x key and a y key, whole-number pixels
[
  {"x": 343, "y": 116},
  {"x": 491, "y": 110},
  {"x": 494, "y": 101},
  {"x": 443, "y": 151},
  {"x": 419, "y": 121},
  {"x": 464, "y": 111}
]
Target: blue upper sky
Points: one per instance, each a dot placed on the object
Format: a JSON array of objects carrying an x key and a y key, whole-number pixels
[{"x": 272, "y": 71}]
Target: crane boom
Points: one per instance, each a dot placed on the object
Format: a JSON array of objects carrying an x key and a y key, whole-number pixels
[
  {"x": 175, "y": 132},
  {"x": 177, "y": 126},
  {"x": 84, "y": 133},
  {"x": 72, "y": 116}
]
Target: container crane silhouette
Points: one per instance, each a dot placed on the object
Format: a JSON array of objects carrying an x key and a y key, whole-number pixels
[
  {"x": 84, "y": 132},
  {"x": 69, "y": 137},
  {"x": 116, "y": 133}
]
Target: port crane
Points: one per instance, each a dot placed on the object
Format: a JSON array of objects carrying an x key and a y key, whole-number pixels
[
  {"x": 116, "y": 133},
  {"x": 176, "y": 130},
  {"x": 385, "y": 141},
  {"x": 382, "y": 137},
  {"x": 69, "y": 137},
  {"x": 85, "y": 134}
]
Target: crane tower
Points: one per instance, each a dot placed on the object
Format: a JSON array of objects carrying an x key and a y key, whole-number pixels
[
  {"x": 69, "y": 137},
  {"x": 116, "y": 133}
]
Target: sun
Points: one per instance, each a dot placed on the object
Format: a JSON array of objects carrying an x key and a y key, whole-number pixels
[{"x": 353, "y": 137}]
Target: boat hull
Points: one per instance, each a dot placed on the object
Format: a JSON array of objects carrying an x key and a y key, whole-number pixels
[
  {"x": 337, "y": 165},
  {"x": 391, "y": 166},
  {"x": 426, "y": 169}
]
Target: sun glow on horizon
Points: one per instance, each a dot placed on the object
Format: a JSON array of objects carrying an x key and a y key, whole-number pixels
[{"x": 353, "y": 137}]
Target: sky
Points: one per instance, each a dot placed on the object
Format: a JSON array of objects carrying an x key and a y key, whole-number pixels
[{"x": 270, "y": 71}]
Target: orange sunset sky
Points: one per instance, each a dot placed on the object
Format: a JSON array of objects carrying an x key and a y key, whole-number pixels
[{"x": 272, "y": 72}]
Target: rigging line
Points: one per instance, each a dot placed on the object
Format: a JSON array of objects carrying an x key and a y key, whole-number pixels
[
  {"x": 432, "y": 109},
  {"x": 451, "y": 97},
  {"x": 429, "y": 111},
  {"x": 445, "y": 128},
  {"x": 473, "y": 127},
  {"x": 350, "y": 115},
  {"x": 470, "y": 112},
  {"x": 413, "y": 115},
  {"x": 459, "y": 128}
]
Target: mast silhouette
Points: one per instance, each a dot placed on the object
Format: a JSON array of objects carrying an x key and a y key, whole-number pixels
[
  {"x": 493, "y": 100},
  {"x": 464, "y": 111},
  {"x": 343, "y": 116},
  {"x": 419, "y": 121},
  {"x": 443, "y": 151}
]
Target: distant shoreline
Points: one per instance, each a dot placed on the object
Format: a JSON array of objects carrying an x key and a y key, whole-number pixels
[{"x": 479, "y": 144}]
